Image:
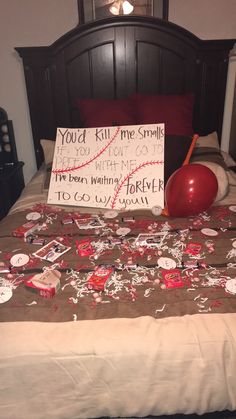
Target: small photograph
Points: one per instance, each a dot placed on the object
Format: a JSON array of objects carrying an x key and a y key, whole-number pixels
[
  {"x": 51, "y": 251},
  {"x": 150, "y": 240},
  {"x": 100, "y": 9},
  {"x": 89, "y": 222}
]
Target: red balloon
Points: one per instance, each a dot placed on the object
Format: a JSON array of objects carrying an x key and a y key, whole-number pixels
[{"x": 190, "y": 190}]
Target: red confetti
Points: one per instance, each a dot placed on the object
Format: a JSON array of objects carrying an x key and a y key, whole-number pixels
[{"x": 216, "y": 303}]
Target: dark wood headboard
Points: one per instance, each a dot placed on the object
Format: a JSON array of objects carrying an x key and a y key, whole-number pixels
[{"x": 116, "y": 57}]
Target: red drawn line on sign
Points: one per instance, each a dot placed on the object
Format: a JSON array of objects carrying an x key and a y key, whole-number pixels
[
  {"x": 148, "y": 163},
  {"x": 70, "y": 169}
]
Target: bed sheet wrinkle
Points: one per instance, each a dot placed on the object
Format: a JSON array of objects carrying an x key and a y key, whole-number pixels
[
  {"x": 65, "y": 370},
  {"x": 229, "y": 358},
  {"x": 129, "y": 368}
]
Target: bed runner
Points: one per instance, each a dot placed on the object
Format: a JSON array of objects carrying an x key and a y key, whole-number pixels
[{"x": 113, "y": 264}]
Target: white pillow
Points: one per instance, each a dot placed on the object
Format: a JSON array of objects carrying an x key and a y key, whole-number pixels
[
  {"x": 210, "y": 140},
  {"x": 221, "y": 176},
  {"x": 48, "y": 150}
]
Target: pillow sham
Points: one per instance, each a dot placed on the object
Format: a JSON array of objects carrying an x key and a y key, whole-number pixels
[
  {"x": 207, "y": 152},
  {"x": 208, "y": 149},
  {"x": 48, "y": 147},
  {"x": 47, "y": 177},
  {"x": 106, "y": 112},
  {"x": 176, "y": 111},
  {"x": 210, "y": 140}
]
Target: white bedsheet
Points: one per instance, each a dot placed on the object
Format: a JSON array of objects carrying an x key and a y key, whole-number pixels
[{"x": 118, "y": 367}]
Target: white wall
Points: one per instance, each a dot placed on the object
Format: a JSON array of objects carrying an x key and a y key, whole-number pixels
[
  {"x": 208, "y": 19},
  {"x": 27, "y": 23},
  {"x": 41, "y": 22}
]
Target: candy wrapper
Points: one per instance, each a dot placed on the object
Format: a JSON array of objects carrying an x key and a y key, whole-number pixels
[
  {"x": 26, "y": 229},
  {"x": 84, "y": 247},
  {"x": 98, "y": 278},
  {"x": 46, "y": 284},
  {"x": 172, "y": 278}
]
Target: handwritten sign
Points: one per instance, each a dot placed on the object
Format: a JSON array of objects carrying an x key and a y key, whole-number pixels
[{"x": 112, "y": 167}]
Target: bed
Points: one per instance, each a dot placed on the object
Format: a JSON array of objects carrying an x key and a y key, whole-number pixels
[{"x": 143, "y": 338}]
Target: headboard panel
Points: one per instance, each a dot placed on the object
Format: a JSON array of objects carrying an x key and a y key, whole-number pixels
[{"x": 114, "y": 58}]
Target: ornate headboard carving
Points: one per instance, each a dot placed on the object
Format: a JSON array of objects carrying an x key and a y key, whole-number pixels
[{"x": 116, "y": 57}]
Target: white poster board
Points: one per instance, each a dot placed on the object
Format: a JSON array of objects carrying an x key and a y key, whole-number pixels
[{"x": 112, "y": 167}]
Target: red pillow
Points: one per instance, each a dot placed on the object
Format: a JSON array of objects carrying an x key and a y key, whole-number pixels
[
  {"x": 106, "y": 112},
  {"x": 175, "y": 111}
]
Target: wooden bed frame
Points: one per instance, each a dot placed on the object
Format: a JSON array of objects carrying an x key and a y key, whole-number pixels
[{"x": 113, "y": 58}]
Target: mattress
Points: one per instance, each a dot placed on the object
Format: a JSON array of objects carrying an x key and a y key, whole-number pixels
[{"x": 144, "y": 343}]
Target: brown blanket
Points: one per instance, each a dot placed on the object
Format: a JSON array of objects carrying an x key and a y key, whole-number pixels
[{"x": 189, "y": 268}]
